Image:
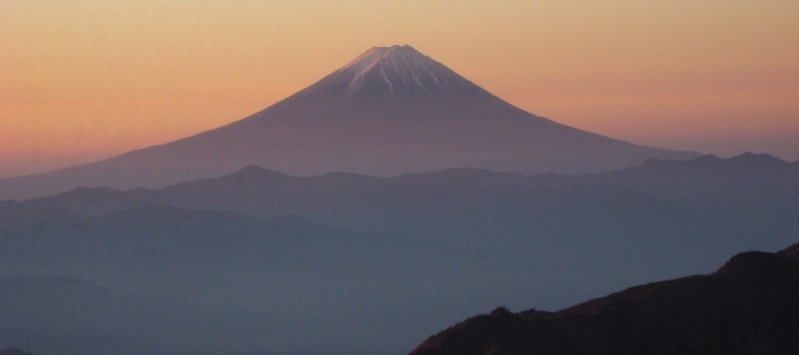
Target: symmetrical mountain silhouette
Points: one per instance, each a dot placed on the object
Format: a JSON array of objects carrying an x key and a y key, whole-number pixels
[
  {"x": 749, "y": 306},
  {"x": 297, "y": 250},
  {"x": 390, "y": 111}
]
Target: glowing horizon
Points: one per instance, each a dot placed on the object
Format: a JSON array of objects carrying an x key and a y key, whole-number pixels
[{"x": 87, "y": 80}]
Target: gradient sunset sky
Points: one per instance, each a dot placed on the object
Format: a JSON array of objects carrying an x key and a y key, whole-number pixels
[{"x": 82, "y": 80}]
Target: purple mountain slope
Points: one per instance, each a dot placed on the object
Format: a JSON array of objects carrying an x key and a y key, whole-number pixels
[{"x": 390, "y": 111}]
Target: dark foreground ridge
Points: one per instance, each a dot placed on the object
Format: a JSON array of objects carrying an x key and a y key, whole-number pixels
[{"x": 749, "y": 306}]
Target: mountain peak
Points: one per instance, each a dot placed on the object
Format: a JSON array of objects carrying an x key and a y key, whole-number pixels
[
  {"x": 376, "y": 54},
  {"x": 389, "y": 112},
  {"x": 257, "y": 173},
  {"x": 396, "y": 69}
]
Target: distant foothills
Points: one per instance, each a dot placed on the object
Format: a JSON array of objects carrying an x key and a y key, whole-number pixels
[
  {"x": 391, "y": 111},
  {"x": 261, "y": 262}
]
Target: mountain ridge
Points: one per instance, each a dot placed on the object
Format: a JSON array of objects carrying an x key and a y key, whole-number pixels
[
  {"x": 747, "y": 306},
  {"x": 432, "y": 247},
  {"x": 393, "y": 111}
]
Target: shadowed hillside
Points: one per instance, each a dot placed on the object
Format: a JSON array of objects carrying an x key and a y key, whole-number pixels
[{"x": 749, "y": 306}]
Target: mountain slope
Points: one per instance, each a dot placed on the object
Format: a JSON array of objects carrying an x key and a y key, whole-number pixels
[
  {"x": 390, "y": 111},
  {"x": 749, "y": 306}
]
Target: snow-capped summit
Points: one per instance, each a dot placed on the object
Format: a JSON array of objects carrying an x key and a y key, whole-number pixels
[
  {"x": 390, "y": 111},
  {"x": 397, "y": 69}
]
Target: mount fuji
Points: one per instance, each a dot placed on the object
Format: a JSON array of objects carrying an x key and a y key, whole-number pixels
[{"x": 390, "y": 111}]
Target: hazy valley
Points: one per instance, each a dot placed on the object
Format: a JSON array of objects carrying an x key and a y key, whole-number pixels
[{"x": 394, "y": 259}]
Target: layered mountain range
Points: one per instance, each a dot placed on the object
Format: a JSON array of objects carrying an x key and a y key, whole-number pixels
[
  {"x": 374, "y": 207},
  {"x": 391, "y": 111},
  {"x": 370, "y": 265}
]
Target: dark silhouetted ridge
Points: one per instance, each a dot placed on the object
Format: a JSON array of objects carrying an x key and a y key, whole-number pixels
[
  {"x": 790, "y": 252},
  {"x": 749, "y": 306}
]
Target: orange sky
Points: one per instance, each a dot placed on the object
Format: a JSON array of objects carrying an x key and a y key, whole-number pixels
[{"x": 82, "y": 80}]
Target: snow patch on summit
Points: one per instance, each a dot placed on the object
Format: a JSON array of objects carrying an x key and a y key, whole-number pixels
[{"x": 398, "y": 69}]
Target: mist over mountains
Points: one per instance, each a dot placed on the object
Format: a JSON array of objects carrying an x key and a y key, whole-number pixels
[
  {"x": 391, "y": 111},
  {"x": 375, "y": 207},
  {"x": 373, "y": 265},
  {"x": 66, "y": 315}
]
